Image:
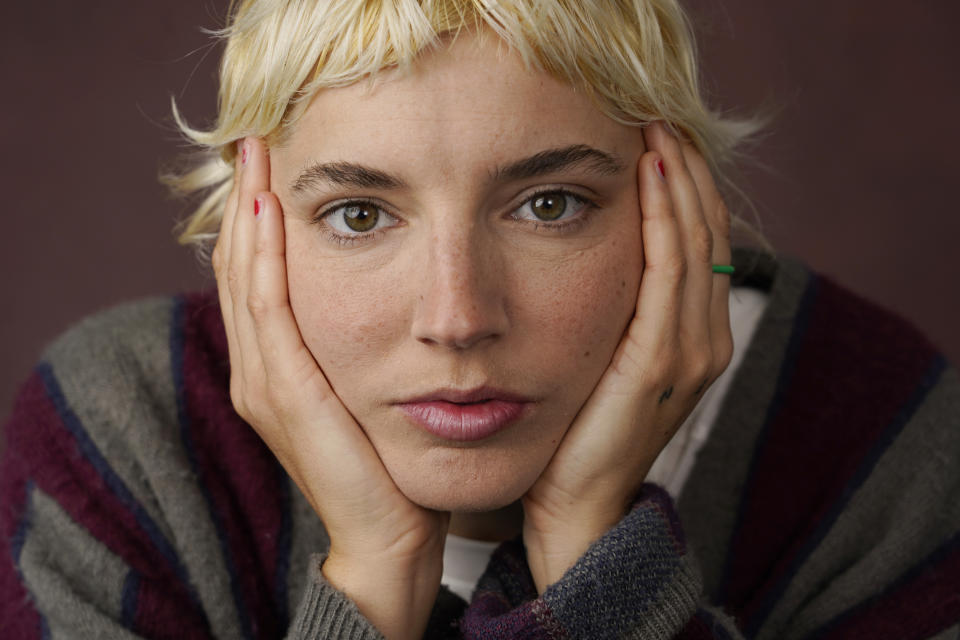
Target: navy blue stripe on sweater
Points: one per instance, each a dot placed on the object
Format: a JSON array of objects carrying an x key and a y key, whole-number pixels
[
  {"x": 246, "y": 485},
  {"x": 867, "y": 464},
  {"x": 183, "y": 417},
  {"x": 783, "y": 505},
  {"x": 800, "y": 323},
  {"x": 23, "y": 528},
  {"x": 903, "y": 610},
  {"x": 16, "y": 548},
  {"x": 130, "y": 599},
  {"x": 113, "y": 482}
]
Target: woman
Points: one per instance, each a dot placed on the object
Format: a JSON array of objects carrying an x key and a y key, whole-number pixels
[{"x": 465, "y": 275}]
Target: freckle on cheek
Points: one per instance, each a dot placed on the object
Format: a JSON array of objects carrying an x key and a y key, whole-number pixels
[{"x": 586, "y": 354}]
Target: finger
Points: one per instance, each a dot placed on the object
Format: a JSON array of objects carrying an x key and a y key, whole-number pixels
[
  {"x": 222, "y": 248},
  {"x": 286, "y": 359},
  {"x": 718, "y": 219},
  {"x": 696, "y": 238},
  {"x": 621, "y": 424},
  {"x": 653, "y": 328},
  {"x": 220, "y": 258},
  {"x": 714, "y": 211},
  {"x": 299, "y": 391},
  {"x": 254, "y": 177}
]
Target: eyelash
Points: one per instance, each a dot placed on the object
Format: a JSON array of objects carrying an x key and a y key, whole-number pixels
[
  {"x": 587, "y": 207},
  {"x": 344, "y": 240}
]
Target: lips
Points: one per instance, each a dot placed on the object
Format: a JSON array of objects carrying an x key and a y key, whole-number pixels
[{"x": 465, "y": 416}]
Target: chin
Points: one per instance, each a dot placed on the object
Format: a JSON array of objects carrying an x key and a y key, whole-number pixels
[
  {"x": 460, "y": 499},
  {"x": 461, "y": 484}
]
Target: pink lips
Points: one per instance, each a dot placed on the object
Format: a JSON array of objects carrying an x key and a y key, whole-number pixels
[{"x": 465, "y": 416}]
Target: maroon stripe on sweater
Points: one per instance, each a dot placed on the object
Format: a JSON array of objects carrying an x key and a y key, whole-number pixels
[
  {"x": 242, "y": 480},
  {"x": 18, "y": 617},
  {"x": 63, "y": 462},
  {"x": 924, "y": 603},
  {"x": 855, "y": 368},
  {"x": 159, "y": 615}
]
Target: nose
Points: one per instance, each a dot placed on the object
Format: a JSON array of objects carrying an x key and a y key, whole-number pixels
[{"x": 462, "y": 294}]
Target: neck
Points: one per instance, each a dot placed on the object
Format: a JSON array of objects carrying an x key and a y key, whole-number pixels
[{"x": 489, "y": 526}]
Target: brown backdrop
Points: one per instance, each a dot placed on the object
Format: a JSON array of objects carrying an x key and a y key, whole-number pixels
[{"x": 863, "y": 153}]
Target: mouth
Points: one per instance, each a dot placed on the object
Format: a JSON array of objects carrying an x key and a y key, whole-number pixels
[{"x": 465, "y": 415}]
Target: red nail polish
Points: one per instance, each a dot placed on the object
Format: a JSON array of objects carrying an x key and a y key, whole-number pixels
[
  {"x": 256, "y": 207},
  {"x": 663, "y": 174}
]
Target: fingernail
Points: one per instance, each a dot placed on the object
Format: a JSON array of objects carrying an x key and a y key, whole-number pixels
[
  {"x": 256, "y": 207},
  {"x": 660, "y": 171}
]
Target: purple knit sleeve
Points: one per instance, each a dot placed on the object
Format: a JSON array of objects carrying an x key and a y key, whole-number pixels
[{"x": 638, "y": 580}]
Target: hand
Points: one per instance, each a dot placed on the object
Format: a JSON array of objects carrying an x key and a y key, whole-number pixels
[
  {"x": 676, "y": 345},
  {"x": 385, "y": 552}
]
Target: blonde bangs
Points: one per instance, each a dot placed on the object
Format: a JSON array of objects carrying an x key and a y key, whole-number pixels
[{"x": 636, "y": 59}]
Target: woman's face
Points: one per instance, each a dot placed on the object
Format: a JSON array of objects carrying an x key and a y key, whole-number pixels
[{"x": 463, "y": 255}]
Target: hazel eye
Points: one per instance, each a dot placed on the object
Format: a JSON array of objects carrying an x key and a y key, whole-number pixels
[
  {"x": 357, "y": 218},
  {"x": 361, "y": 217},
  {"x": 550, "y": 207}
]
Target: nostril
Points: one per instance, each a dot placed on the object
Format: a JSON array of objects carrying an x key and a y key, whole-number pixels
[{"x": 460, "y": 303}]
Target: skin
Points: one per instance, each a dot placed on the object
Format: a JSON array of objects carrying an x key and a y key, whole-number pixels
[
  {"x": 460, "y": 294},
  {"x": 612, "y": 327}
]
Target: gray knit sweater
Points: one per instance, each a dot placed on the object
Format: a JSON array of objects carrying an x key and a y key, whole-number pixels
[{"x": 137, "y": 504}]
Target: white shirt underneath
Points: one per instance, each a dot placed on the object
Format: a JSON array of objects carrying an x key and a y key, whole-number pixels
[{"x": 465, "y": 560}]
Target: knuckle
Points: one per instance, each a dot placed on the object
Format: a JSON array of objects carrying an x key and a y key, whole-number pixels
[
  {"x": 260, "y": 249},
  {"x": 722, "y": 354},
  {"x": 699, "y": 366},
  {"x": 677, "y": 266},
  {"x": 249, "y": 401},
  {"x": 702, "y": 244},
  {"x": 237, "y": 398},
  {"x": 233, "y": 279},
  {"x": 257, "y": 305}
]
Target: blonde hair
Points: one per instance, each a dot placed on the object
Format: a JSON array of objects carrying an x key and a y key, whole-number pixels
[{"x": 636, "y": 58}]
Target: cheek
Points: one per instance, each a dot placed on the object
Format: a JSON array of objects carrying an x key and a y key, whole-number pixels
[
  {"x": 348, "y": 319},
  {"x": 575, "y": 312}
]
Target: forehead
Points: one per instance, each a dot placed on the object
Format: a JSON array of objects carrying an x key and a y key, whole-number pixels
[{"x": 463, "y": 106}]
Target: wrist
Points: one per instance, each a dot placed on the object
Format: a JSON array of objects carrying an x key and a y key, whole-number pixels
[
  {"x": 554, "y": 544},
  {"x": 395, "y": 595}
]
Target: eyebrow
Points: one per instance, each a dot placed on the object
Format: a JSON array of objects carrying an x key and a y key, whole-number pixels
[
  {"x": 561, "y": 159},
  {"x": 345, "y": 174},
  {"x": 350, "y": 174}
]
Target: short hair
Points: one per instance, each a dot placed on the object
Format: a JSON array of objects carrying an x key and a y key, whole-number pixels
[{"x": 636, "y": 59}]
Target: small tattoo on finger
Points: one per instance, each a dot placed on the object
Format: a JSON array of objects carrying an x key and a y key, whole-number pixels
[
  {"x": 666, "y": 395},
  {"x": 700, "y": 388}
]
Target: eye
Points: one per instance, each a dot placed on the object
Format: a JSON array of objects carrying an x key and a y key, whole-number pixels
[
  {"x": 357, "y": 218},
  {"x": 551, "y": 206}
]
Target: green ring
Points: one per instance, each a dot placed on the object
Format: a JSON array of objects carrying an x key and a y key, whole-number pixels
[{"x": 723, "y": 268}]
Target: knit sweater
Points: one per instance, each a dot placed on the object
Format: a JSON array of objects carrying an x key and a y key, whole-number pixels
[{"x": 137, "y": 504}]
